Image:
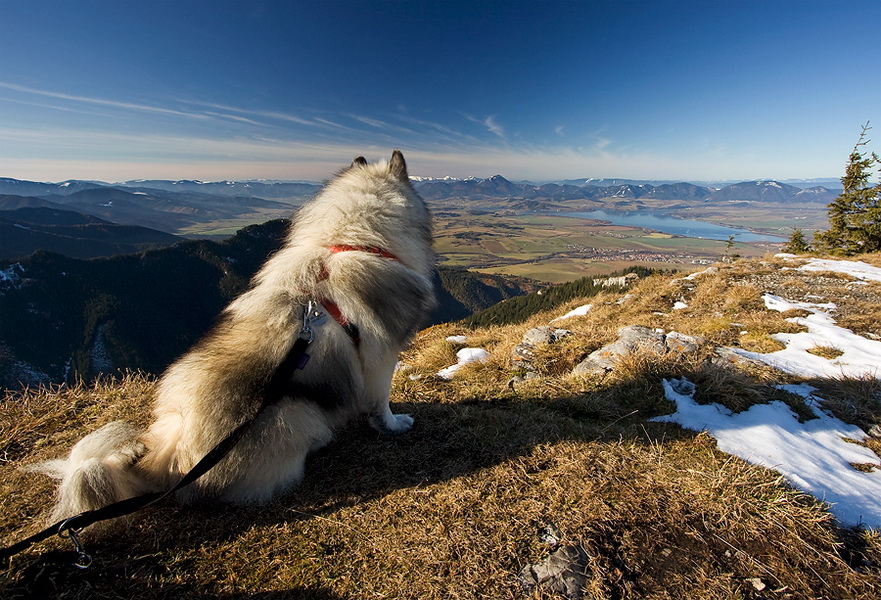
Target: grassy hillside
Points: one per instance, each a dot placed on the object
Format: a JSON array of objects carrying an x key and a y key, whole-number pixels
[{"x": 457, "y": 507}]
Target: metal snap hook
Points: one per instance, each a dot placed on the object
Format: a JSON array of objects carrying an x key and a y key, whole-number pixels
[{"x": 83, "y": 560}]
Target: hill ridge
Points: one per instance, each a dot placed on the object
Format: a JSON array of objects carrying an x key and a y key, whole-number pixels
[{"x": 499, "y": 475}]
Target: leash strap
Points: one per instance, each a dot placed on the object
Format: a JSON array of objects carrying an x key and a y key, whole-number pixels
[{"x": 275, "y": 388}]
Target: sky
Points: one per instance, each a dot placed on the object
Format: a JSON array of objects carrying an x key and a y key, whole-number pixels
[{"x": 722, "y": 90}]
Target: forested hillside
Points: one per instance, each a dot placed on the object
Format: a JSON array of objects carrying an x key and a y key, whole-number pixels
[{"x": 65, "y": 318}]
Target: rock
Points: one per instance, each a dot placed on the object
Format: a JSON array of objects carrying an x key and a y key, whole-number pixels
[
  {"x": 523, "y": 354},
  {"x": 549, "y": 535},
  {"x": 757, "y": 584},
  {"x": 727, "y": 357},
  {"x": 631, "y": 338},
  {"x": 544, "y": 335},
  {"x": 875, "y": 431},
  {"x": 563, "y": 572},
  {"x": 679, "y": 342}
]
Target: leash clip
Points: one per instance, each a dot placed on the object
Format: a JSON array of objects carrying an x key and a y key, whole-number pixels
[
  {"x": 83, "y": 560},
  {"x": 312, "y": 316}
]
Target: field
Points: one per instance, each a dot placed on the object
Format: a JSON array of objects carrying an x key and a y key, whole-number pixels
[
  {"x": 557, "y": 249},
  {"x": 774, "y": 219}
]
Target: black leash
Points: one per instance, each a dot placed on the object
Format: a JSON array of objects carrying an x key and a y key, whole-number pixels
[{"x": 72, "y": 526}]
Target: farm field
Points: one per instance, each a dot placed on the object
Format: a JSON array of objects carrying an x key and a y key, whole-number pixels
[
  {"x": 761, "y": 218},
  {"x": 558, "y": 248}
]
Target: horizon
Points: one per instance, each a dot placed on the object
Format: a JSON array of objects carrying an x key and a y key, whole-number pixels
[
  {"x": 420, "y": 179},
  {"x": 675, "y": 91}
]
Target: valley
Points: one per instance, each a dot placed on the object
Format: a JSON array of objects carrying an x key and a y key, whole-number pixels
[{"x": 492, "y": 226}]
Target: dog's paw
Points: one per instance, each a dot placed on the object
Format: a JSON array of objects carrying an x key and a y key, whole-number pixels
[{"x": 391, "y": 423}]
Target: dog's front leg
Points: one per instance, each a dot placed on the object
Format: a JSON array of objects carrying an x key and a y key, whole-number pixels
[{"x": 378, "y": 384}]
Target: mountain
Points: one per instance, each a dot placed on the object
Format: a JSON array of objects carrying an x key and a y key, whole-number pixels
[
  {"x": 29, "y": 229},
  {"x": 65, "y": 318},
  {"x": 242, "y": 189},
  {"x": 33, "y": 188},
  {"x": 499, "y": 188},
  {"x": 818, "y": 194},
  {"x": 755, "y": 191},
  {"x": 679, "y": 191},
  {"x": 13, "y": 202},
  {"x": 168, "y": 210}
]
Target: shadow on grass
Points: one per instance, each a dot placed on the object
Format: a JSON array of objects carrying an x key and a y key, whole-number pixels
[{"x": 448, "y": 441}]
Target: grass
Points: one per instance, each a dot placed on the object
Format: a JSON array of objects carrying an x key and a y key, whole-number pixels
[{"x": 453, "y": 509}]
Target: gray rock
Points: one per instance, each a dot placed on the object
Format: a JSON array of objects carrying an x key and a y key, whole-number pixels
[
  {"x": 679, "y": 342},
  {"x": 563, "y": 572},
  {"x": 728, "y": 357},
  {"x": 629, "y": 339},
  {"x": 523, "y": 354},
  {"x": 549, "y": 535},
  {"x": 635, "y": 337},
  {"x": 544, "y": 335}
]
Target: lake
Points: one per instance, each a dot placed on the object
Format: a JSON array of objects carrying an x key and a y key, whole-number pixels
[{"x": 674, "y": 226}]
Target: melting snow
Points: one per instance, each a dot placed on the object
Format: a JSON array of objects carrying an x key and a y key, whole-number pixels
[
  {"x": 854, "y": 268},
  {"x": 465, "y": 356},
  {"x": 577, "y": 312},
  {"x": 679, "y": 305},
  {"x": 859, "y": 356},
  {"x": 813, "y": 456},
  {"x": 457, "y": 339}
]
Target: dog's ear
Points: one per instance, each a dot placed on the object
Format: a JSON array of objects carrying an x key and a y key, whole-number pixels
[
  {"x": 359, "y": 161},
  {"x": 398, "y": 167}
]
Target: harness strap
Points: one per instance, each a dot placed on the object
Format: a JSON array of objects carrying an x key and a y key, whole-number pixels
[{"x": 332, "y": 307}]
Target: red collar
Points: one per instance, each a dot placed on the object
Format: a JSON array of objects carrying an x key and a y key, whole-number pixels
[{"x": 371, "y": 249}]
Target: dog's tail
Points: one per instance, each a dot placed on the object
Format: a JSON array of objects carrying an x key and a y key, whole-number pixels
[{"x": 99, "y": 470}]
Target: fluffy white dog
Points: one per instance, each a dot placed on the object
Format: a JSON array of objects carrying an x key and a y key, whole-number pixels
[{"x": 360, "y": 251}]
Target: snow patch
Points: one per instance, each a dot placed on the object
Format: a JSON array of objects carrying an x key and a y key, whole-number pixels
[
  {"x": 859, "y": 356},
  {"x": 457, "y": 339},
  {"x": 576, "y": 312},
  {"x": 813, "y": 456},
  {"x": 465, "y": 356}
]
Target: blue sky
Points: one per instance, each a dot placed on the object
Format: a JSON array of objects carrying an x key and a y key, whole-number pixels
[{"x": 709, "y": 90}]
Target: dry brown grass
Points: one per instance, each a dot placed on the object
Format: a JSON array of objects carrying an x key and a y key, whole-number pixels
[{"x": 452, "y": 509}]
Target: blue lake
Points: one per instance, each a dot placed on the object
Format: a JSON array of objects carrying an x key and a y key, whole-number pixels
[{"x": 674, "y": 226}]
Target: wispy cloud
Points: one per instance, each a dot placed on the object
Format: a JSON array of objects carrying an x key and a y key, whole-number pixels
[
  {"x": 489, "y": 123},
  {"x": 102, "y": 101},
  {"x": 252, "y": 113}
]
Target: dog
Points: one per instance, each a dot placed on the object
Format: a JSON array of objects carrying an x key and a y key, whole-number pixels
[{"x": 359, "y": 256}]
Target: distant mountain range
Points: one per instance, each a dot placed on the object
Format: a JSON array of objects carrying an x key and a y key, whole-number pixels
[
  {"x": 168, "y": 206},
  {"x": 133, "y": 215},
  {"x": 497, "y": 187}
]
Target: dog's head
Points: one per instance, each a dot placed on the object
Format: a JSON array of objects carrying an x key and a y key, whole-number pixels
[{"x": 397, "y": 166}]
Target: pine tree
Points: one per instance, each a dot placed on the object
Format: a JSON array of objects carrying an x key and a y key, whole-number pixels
[
  {"x": 797, "y": 243},
  {"x": 855, "y": 216}
]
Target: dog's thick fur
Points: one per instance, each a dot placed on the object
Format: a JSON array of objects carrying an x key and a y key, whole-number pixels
[{"x": 221, "y": 381}]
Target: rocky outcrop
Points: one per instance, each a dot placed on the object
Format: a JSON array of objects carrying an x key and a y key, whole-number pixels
[
  {"x": 523, "y": 355},
  {"x": 630, "y": 339}
]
